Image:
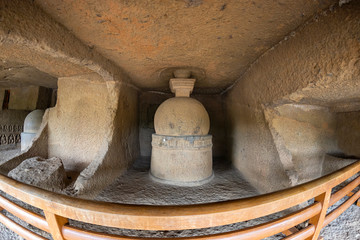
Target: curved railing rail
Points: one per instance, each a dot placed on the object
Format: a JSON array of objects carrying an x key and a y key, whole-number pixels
[{"x": 58, "y": 209}]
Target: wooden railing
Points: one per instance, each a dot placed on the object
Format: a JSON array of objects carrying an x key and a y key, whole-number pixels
[{"x": 59, "y": 208}]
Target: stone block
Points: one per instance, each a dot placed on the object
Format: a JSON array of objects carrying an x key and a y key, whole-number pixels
[{"x": 48, "y": 174}]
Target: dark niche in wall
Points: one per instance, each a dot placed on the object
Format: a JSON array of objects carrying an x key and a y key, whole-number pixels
[{"x": 6, "y": 101}]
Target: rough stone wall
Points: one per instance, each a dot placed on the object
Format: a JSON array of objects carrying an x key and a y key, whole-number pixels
[
  {"x": 94, "y": 130},
  {"x": 24, "y": 98},
  {"x": 150, "y": 101},
  {"x": 77, "y": 123},
  {"x": 315, "y": 65},
  {"x": 120, "y": 144},
  {"x": 27, "y": 98},
  {"x": 303, "y": 135},
  {"x": 348, "y": 133},
  {"x": 317, "y": 62},
  {"x": 80, "y": 120},
  {"x": 252, "y": 149}
]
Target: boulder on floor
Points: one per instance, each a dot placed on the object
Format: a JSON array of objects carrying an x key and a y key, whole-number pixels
[{"x": 43, "y": 173}]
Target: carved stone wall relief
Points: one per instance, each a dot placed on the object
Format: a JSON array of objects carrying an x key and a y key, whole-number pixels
[{"x": 10, "y": 133}]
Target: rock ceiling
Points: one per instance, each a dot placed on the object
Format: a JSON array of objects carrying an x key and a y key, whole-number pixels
[
  {"x": 18, "y": 75},
  {"x": 218, "y": 38}
]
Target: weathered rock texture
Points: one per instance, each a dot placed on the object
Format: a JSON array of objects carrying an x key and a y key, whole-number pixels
[
  {"x": 348, "y": 133},
  {"x": 77, "y": 123},
  {"x": 316, "y": 65},
  {"x": 120, "y": 144},
  {"x": 44, "y": 173},
  {"x": 221, "y": 37},
  {"x": 303, "y": 135},
  {"x": 253, "y": 150},
  {"x": 95, "y": 131},
  {"x": 97, "y": 121},
  {"x": 30, "y": 37}
]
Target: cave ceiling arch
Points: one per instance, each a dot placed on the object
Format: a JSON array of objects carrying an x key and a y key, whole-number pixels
[{"x": 221, "y": 38}]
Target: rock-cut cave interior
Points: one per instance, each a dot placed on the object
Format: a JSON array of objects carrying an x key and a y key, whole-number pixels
[{"x": 179, "y": 102}]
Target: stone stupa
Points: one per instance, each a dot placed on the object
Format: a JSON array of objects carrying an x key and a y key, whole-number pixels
[{"x": 181, "y": 146}]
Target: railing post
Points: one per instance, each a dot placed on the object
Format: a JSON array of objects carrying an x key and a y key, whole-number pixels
[
  {"x": 55, "y": 225},
  {"x": 318, "y": 220}
]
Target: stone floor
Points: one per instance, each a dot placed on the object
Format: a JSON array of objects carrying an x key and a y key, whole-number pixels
[
  {"x": 137, "y": 187},
  {"x": 8, "y": 151}
]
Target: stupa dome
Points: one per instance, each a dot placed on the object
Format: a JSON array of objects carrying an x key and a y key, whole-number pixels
[
  {"x": 181, "y": 116},
  {"x": 33, "y": 121}
]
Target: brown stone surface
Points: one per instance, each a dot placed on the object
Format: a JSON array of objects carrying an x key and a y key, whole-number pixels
[
  {"x": 18, "y": 75},
  {"x": 24, "y": 98},
  {"x": 27, "y": 97},
  {"x": 77, "y": 122},
  {"x": 143, "y": 37},
  {"x": 31, "y": 38},
  {"x": 252, "y": 149},
  {"x": 120, "y": 145},
  {"x": 316, "y": 65},
  {"x": 224, "y": 43},
  {"x": 43, "y": 173},
  {"x": 303, "y": 135},
  {"x": 348, "y": 133}
]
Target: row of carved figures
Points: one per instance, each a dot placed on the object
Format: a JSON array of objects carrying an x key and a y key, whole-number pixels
[
  {"x": 10, "y": 139},
  {"x": 11, "y": 128}
]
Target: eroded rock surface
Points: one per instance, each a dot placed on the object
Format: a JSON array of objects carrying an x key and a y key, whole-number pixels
[{"x": 44, "y": 173}]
